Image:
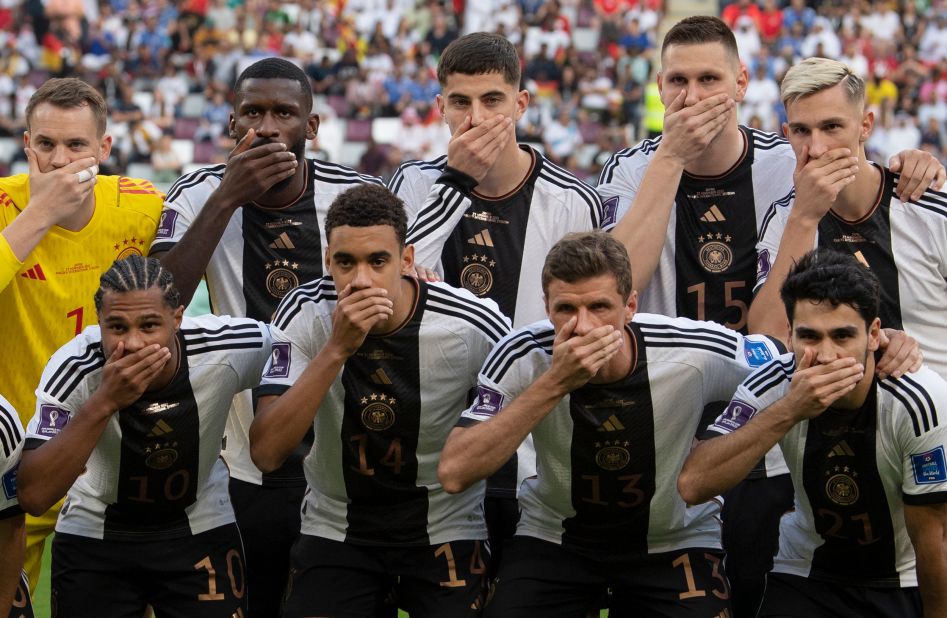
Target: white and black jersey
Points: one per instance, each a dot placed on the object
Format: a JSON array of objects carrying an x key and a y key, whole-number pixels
[
  {"x": 608, "y": 455},
  {"x": 11, "y": 445},
  {"x": 708, "y": 266},
  {"x": 853, "y": 471},
  {"x": 904, "y": 244},
  {"x": 495, "y": 247},
  {"x": 379, "y": 432},
  {"x": 156, "y": 471},
  {"x": 263, "y": 254}
]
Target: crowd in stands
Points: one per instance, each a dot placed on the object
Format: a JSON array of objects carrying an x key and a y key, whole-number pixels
[{"x": 167, "y": 66}]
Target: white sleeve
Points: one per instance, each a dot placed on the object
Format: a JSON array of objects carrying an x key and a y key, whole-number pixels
[
  {"x": 176, "y": 217},
  {"x": 443, "y": 209},
  {"x": 758, "y": 391},
  {"x": 290, "y": 353},
  {"x": 771, "y": 233},
  {"x": 408, "y": 183},
  {"x": 11, "y": 446},
  {"x": 619, "y": 183},
  {"x": 921, "y": 438},
  {"x": 249, "y": 362}
]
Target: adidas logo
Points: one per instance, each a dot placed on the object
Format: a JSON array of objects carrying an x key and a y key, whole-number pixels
[
  {"x": 282, "y": 242},
  {"x": 842, "y": 448},
  {"x": 160, "y": 429},
  {"x": 713, "y": 215},
  {"x": 611, "y": 424},
  {"x": 36, "y": 272},
  {"x": 380, "y": 377},
  {"x": 483, "y": 239}
]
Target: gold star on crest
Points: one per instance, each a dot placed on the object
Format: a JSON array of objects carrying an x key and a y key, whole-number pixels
[
  {"x": 364, "y": 400},
  {"x": 700, "y": 239},
  {"x": 374, "y": 397},
  {"x": 392, "y": 401},
  {"x": 719, "y": 235}
]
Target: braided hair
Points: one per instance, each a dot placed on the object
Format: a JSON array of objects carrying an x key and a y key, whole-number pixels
[{"x": 136, "y": 273}]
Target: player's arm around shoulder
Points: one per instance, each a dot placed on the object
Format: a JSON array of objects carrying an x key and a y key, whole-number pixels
[{"x": 12, "y": 525}]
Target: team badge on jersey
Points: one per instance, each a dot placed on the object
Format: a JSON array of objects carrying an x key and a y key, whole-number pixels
[
  {"x": 841, "y": 487},
  {"x": 279, "y": 361},
  {"x": 489, "y": 401},
  {"x": 930, "y": 467},
  {"x": 161, "y": 455},
  {"x": 715, "y": 254},
  {"x": 378, "y": 415},
  {"x": 9, "y": 483},
  {"x": 166, "y": 224},
  {"x": 128, "y": 247},
  {"x": 476, "y": 275},
  {"x": 735, "y": 416},
  {"x": 281, "y": 278},
  {"x": 51, "y": 420},
  {"x": 612, "y": 456}
]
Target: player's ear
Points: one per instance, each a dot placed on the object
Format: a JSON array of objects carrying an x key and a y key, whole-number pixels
[
  {"x": 874, "y": 335},
  {"x": 178, "y": 316},
  {"x": 439, "y": 101},
  {"x": 632, "y": 306},
  {"x": 327, "y": 260},
  {"x": 232, "y": 126},
  {"x": 407, "y": 260},
  {"x": 312, "y": 126},
  {"x": 105, "y": 147},
  {"x": 522, "y": 102},
  {"x": 868, "y": 123}
]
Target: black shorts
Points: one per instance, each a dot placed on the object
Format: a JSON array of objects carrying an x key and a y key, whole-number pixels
[
  {"x": 792, "y": 596},
  {"x": 200, "y": 576},
  {"x": 268, "y": 518},
  {"x": 751, "y": 514},
  {"x": 541, "y": 579},
  {"x": 330, "y": 578},
  {"x": 22, "y": 606}
]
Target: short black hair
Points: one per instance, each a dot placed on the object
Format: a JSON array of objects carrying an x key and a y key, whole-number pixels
[
  {"x": 138, "y": 273},
  {"x": 276, "y": 68},
  {"x": 826, "y": 275},
  {"x": 479, "y": 53},
  {"x": 700, "y": 29},
  {"x": 367, "y": 205}
]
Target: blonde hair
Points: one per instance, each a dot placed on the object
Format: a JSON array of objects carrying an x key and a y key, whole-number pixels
[{"x": 813, "y": 75}]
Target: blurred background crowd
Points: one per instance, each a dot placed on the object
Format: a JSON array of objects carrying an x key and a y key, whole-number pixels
[{"x": 166, "y": 68}]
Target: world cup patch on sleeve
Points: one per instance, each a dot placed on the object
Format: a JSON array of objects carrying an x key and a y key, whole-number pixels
[
  {"x": 51, "y": 420},
  {"x": 279, "y": 361},
  {"x": 488, "y": 401},
  {"x": 166, "y": 224},
  {"x": 762, "y": 265},
  {"x": 757, "y": 353},
  {"x": 610, "y": 211},
  {"x": 737, "y": 414},
  {"x": 930, "y": 467},
  {"x": 9, "y": 483}
]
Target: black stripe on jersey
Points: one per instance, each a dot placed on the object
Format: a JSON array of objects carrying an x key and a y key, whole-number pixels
[
  {"x": 73, "y": 370},
  {"x": 916, "y": 400},
  {"x": 782, "y": 202},
  {"x": 339, "y": 174},
  {"x": 770, "y": 375},
  {"x": 438, "y": 215},
  {"x": 764, "y": 140},
  {"x": 434, "y": 164},
  {"x": 518, "y": 346},
  {"x": 671, "y": 336},
  {"x": 554, "y": 174},
  {"x": 646, "y": 147},
  {"x": 449, "y": 303},
  {"x": 194, "y": 178},
  {"x": 934, "y": 201},
  {"x": 315, "y": 291},
  {"x": 10, "y": 434}
]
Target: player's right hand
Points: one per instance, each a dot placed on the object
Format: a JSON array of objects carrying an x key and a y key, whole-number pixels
[
  {"x": 356, "y": 313},
  {"x": 474, "y": 149},
  {"x": 819, "y": 180},
  {"x": 815, "y": 387},
  {"x": 252, "y": 170},
  {"x": 688, "y": 130},
  {"x": 126, "y": 376},
  {"x": 576, "y": 359},
  {"x": 59, "y": 191}
]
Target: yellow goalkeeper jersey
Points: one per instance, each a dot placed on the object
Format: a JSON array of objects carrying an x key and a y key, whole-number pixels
[{"x": 46, "y": 300}]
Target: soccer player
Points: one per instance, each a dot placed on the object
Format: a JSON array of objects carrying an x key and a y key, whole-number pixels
[
  {"x": 866, "y": 455},
  {"x": 378, "y": 364},
  {"x": 61, "y": 226},
  {"x": 485, "y": 215},
  {"x": 690, "y": 207},
  {"x": 252, "y": 227},
  {"x": 14, "y": 587},
  {"x": 129, "y": 420},
  {"x": 612, "y": 398},
  {"x": 904, "y": 242}
]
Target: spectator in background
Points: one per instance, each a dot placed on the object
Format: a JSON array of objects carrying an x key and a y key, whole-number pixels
[
  {"x": 762, "y": 95},
  {"x": 748, "y": 38},
  {"x": 561, "y": 138},
  {"x": 771, "y": 21},
  {"x": 879, "y": 90},
  {"x": 165, "y": 161},
  {"x": 821, "y": 40},
  {"x": 798, "y": 12},
  {"x": 741, "y": 8}
]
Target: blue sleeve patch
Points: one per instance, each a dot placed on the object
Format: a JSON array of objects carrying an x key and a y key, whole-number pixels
[
  {"x": 9, "y": 484},
  {"x": 610, "y": 211},
  {"x": 757, "y": 353},
  {"x": 280, "y": 358},
  {"x": 930, "y": 467}
]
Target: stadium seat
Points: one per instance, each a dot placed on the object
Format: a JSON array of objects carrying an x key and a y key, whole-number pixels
[
  {"x": 185, "y": 128},
  {"x": 339, "y": 104},
  {"x": 358, "y": 130},
  {"x": 8, "y": 148},
  {"x": 204, "y": 152},
  {"x": 590, "y": 131},
  {"x": 386, "y": 130},
  {"x": 351, "y": 153},
  {"x": 184, "y": 148},
  {"x": 193, "y": 106}
]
